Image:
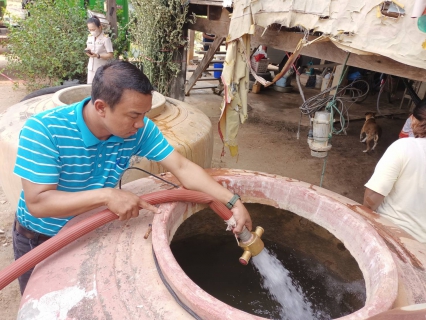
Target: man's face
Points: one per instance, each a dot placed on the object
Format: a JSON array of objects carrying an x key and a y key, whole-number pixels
[{"x": 127, "y": 116}]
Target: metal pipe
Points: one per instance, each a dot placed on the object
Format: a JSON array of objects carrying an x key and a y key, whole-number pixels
[{"x": 245, "y": 235}]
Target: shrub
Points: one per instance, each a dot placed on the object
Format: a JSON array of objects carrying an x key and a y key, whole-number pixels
[
  {"x": 48, "y": 46},
  {"x": 2, "y": 9}
]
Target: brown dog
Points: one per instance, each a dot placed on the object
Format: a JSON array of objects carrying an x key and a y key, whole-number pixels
[{"x": 371, "y": 129}]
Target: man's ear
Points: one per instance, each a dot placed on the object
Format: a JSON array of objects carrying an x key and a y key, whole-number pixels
[{"x": 100, "y": 107}]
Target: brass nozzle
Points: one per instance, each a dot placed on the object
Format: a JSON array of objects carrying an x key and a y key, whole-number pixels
[
  {"x": 253, "y": 246},
  {"x": 244, "y": 259}
]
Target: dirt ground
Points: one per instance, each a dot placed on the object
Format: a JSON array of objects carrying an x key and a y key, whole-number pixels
[{"x": 267, "y": 143}]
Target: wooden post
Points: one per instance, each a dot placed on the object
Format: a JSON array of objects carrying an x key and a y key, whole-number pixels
[
  {"x": 337, "y": 74},
  {"x": 177, "y": 87},
  {"x": 111, "y": 14},
  {"x": 191, "y": 38}
]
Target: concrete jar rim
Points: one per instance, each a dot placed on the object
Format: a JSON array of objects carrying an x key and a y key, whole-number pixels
[
  {"x": 360, "y": 238},
  {"x": 77, "y": 93}
]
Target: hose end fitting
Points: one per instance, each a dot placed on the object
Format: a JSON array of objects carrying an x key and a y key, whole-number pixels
[
  {"x": 251, "y": 244},
  {"x": 244, "y": 259}
]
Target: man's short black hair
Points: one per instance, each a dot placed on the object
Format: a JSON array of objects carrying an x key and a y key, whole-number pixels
[{"x": 116, "y": 76}]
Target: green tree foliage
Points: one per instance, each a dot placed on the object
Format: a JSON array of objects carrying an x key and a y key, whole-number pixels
[
  {"x": 48, "y": 46},
  {"x": 2, "y": 9},
  {"x": 157, "y": 32}
]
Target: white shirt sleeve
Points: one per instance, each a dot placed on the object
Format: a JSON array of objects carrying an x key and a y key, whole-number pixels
[
  {"x": 387, "y": 170},
  {"x": 407, "y": 127},
  {"x": 108, "y": 45}
]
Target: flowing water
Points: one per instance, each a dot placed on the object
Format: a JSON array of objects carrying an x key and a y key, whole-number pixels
[
  {"x": 286, "y": 280},
  {"x": 301, "y": 290},
  {"x": 277, "y": 280}
]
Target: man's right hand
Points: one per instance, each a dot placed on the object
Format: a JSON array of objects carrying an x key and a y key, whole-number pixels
[
  {"x": 126, "y": 204},
  {"x": 44, "y": 200}
]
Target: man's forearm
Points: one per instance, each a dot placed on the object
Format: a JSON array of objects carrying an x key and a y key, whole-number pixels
[
  {"x": 54, "y": 203},
  {"x": 195, "y": 178}
]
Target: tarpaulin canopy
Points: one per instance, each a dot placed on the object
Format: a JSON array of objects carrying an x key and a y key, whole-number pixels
[{"x": 362, "y": 27}]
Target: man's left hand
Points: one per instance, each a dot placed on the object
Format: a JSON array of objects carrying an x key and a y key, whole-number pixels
[
  {"x": 242, "y": 217},
  {"x": 193, "y": 177}
]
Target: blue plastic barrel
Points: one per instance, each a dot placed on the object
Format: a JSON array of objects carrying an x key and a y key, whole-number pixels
[{"x": 217, "y": 74}]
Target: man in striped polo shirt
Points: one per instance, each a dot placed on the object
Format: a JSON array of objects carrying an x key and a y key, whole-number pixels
[{"x": 70, "y": 159}]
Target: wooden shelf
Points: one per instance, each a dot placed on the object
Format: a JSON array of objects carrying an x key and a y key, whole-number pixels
[
  {"x": 204, "y": 52},
  {"x": 207, "y": 79},
  {"x": 204, "y": 87},
  {"x": 211, "y": 69},
  {"x": 211, "y": 62}
]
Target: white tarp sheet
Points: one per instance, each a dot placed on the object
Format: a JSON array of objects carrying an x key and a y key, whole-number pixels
[{"x": 356, "y": 25}]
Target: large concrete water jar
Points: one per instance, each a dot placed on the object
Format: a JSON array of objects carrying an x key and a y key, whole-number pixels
[
  {"x": 111, "y": 273},
  {"x": 186, "y": 128}
]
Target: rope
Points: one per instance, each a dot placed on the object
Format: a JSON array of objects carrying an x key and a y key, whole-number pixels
[
  {"x": 331, "y": 106},
  {"x": 295, "y": 61},
  {"x": 304, "y": 101},
  {"x": 323, "y": 99}
]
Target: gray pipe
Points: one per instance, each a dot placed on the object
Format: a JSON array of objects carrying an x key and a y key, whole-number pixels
[{"x": 245, "y": 235}]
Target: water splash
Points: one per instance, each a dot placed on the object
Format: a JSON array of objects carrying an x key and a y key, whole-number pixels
[{"x": 277, "y": 280}]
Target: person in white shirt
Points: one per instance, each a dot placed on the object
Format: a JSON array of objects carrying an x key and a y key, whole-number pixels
[
  {"x": 397, "y": 189},
  {"x": 98, "y": 47}
]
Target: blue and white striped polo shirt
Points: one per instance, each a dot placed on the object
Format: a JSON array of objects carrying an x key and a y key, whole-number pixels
[{"x": 57, "y": 147}]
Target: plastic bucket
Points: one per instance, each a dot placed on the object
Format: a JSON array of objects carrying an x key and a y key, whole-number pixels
[
  {"x": 281, "y": 82},
  {"x": 217, "y": 74}
]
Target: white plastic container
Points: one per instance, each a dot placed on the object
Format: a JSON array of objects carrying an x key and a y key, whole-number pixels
[
  {"x": 318, "y": 82},
  {"x": 319, "y": 143},
  {"x": 321, "y": 126}
]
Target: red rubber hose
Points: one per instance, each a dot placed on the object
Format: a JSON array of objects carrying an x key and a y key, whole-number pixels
[{"x": 41, "y": 252}]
